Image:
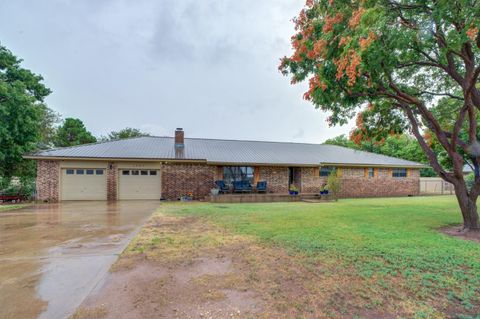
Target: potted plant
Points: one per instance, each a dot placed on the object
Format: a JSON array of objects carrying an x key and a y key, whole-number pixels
[
  {"x": 186, "y": 197},
  {"x": 293, "y": 190}
]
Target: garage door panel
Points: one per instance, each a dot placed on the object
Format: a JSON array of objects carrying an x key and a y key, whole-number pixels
[
  {"x": 84, "y": 184},
  {"x": 139, "y": 184}
]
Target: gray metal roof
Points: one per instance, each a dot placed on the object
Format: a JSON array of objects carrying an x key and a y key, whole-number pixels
[{"x": 225, "y": 151}]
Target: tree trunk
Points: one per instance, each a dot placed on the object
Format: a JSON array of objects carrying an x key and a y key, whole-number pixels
[{"x": 468, "y": 207}]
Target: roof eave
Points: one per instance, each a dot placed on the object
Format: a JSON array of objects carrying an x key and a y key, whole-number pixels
[{"x": 118, "y": 159}]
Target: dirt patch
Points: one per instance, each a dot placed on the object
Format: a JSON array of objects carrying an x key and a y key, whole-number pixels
[
  {"x": 456, "y": 231},
  {"x": 186, "y": 267}
]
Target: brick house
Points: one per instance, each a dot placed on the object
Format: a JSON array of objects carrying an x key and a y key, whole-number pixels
[{"x": 167, "y": 167}]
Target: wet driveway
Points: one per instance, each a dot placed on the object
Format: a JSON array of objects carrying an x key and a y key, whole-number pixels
[{"x": 53, "y": 255}]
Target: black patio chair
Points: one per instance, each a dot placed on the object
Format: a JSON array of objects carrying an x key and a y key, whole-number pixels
[
  {"x": 222, "y": 187},
  {"x": 242, "y": 187},
  {"x": 262, "y": 187}
]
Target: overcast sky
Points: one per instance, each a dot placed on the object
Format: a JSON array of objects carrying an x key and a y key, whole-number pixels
[{"x": 207, "y": 66}]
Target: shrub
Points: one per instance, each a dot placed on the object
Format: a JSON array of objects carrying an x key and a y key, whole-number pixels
[{"x": 333, "y": 184}]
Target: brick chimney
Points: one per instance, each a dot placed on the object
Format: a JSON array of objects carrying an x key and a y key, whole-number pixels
[{"x": 179, "y": 138}]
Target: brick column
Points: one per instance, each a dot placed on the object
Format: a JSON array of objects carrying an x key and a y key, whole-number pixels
[
  {"x": 112, "y": 177},
  {"x": 48, "y": 181}
]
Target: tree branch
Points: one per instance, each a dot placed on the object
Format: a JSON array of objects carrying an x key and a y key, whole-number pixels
[{"x": 432, "y": 157}]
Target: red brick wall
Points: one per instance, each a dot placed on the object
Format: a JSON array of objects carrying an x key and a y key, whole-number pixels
[
  {"x": 355, "y": 184},
  {"x": 311, "y": 181},
  {"x": 178, "y": 179},
  {"x": 112, "y": 178},
  {"x": 48, "y": 181},
  {"x": 276, "y": 177}
]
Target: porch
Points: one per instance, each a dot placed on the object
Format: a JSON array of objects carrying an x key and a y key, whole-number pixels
[{"x": 267, "y": 198}]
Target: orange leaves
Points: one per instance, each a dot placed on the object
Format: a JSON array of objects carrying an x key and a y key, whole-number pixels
[
  {"x": 365, "y": 42},
  {"x": 428, "y": 137},
  {"x": 330, "y": 21},
  {"x": 314, "y": 83},
  {"x": 341, "y": 65},
  {"x": 300, "y": 20},
  {"x": 344, "y": 40},
  {"x": 472, "y": 32},
  {"x": 352, "y": 68},
  {"x": 318, "y": 49},
  {"x": 349, "y": 65},
  {"x": 309, "y": 3},
  {"x": 356, "y": 137},
  {"x": 356, "y": 17},
  {"x": 299, "y": 47}
]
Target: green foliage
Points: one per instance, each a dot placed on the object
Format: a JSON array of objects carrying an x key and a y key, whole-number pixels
[
  {"x": 48, "y": 121},
  {"x": 293, "y": 188},
  {"x": 124, "y": 133},
  {"x": 470, "y": 180},
  {"x": 400, "y": 146},
  {"x": 333, "y": 184},
  {"x": 73, "y": 132},
  {"x": 21, "y": 114},
  {"x": 387, "y": 240},
  {"x": 390, "y": 61},
  {"x": 342, "y": 140},
  {"x": 24, "y": 185}
]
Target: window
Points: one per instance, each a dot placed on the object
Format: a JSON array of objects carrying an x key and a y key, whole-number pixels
[
  {"x": 399, "y": 172},
  {"x": 371, "y": 172},
  {"x": 70, "y": 171},
  {"x": 89, "y": 171},
  {"x": 125, "y": 172},
  {"x": 326, "y": 170},
  {"x": 99, "y": 171},
  {"x": 237, "y": 173},
  {"x": 143, "y": 172},
  {"x": 135, "y": 172},
  {"x": 80, "y": 171},
  {"x": 153, "y": 172}
]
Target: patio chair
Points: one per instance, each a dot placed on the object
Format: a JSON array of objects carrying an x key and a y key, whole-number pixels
[
  {"x": 242, "y": 187},
  {"x": 247, "y": 187},
  {"x": 222, "y": 187},
  {"x": 262, "y": 187}
]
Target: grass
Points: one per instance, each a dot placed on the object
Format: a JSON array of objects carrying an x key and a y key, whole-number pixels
[
  {"x": 4, "y": 208},
  {"x": 386, "y": 245}
]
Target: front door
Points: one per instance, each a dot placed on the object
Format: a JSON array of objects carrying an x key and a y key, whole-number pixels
[{"x": 294, "y": 177}]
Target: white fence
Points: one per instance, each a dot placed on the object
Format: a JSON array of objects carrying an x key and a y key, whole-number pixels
[{"x": 435, "y": 185}]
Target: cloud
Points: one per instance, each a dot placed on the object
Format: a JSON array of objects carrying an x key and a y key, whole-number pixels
[{"x": 208, "y": 66}]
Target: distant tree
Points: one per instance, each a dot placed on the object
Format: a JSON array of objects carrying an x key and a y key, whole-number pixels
[
  {"x": 21, "y": 115},
  {"x": 127, "y": 132},
  {"x": 341, "y": 140},
  {"x": 73, "y": 132},
  {"x": 400, "y": 146},
  {"x": 392, "y": 60},
  {"x": 48, "y": 121}
]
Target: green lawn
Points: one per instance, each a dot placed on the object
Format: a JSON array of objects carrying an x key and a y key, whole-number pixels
[
  {"x": 4, "y": 208},
  {"x": 393, "y": 240}
]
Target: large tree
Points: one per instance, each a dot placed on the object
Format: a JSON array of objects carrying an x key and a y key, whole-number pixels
[
  {"x": 393, "y": 60},
  {"x": 73, "y": 132},
  {"x": 22, "y": 113}
]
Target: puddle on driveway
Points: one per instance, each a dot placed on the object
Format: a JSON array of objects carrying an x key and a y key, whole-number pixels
[{"x": 52, "y": 256}]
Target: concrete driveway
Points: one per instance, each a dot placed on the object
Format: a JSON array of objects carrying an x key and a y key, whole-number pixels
[{"x": 53, "y": 255}]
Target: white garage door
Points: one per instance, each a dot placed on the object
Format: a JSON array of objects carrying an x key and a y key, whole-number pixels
[
  {"x": 84, "y": 184},
  {"x": 139, "y": 184}
]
